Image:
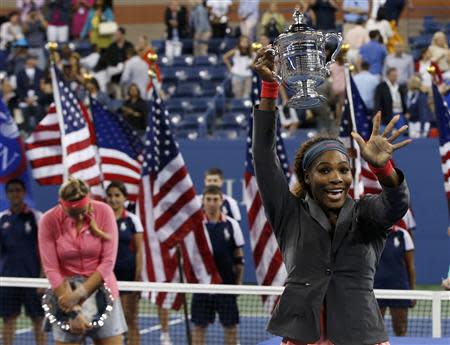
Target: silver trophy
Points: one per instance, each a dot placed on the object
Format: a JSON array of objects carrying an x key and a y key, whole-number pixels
[{"x": 302, "y": 61}]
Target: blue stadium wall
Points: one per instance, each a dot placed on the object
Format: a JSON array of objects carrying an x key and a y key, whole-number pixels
[{"x": 420, "y": 161}]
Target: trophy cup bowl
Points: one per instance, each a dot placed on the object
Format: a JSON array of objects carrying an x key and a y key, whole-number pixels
[{"x": 302, "y": 62}]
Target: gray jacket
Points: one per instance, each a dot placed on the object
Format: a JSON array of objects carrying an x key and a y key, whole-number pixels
[{"x": 337, "y": 272}]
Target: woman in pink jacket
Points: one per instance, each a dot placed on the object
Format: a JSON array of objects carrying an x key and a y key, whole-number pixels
[{"x": 79, "y": 237}]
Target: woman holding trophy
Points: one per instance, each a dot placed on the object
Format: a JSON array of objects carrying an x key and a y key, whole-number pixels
[
  {"x": 330, "y": 243},
  {"x": 78, "y": 242}
]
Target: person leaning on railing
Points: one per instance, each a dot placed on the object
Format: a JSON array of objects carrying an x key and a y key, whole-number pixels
[{"x": 330, "y": 243}]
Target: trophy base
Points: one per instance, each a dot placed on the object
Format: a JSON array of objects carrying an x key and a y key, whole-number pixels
[{"x": 306, "y": 102}]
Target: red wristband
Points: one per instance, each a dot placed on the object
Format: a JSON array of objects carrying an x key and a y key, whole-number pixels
[
  {"x": 269, "y": 89},
  {"x": 385, "y": 171}
]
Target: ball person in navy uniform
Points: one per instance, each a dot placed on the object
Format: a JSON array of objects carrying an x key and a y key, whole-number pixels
[{"x": 227, "y": 241}]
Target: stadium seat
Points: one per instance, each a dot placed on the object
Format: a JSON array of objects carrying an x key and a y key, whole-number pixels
[
  {"x": 229, "y": 131},
  {"x": 159, "y": 46},
  {"x": 188, "y": 90},
  {"x": 182, "y": 61},
  {"x": 243, "y": 105},
  {"x": 209, "y": 60}
]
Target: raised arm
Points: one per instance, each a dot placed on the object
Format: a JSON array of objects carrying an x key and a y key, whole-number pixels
[
  {"x": 272, "y": 183},
  {"x": 392, "y": 203}
]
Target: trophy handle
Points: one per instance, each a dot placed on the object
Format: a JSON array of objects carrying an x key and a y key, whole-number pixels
[
  {"x": 338, "y": 38},
  {"x": 277, "y": 77}
]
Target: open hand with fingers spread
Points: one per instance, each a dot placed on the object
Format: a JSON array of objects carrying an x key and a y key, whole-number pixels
[{"x": 378, "y": 150}]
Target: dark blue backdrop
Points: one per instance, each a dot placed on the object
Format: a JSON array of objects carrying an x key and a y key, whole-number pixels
[{"x": 420, "y": 161}]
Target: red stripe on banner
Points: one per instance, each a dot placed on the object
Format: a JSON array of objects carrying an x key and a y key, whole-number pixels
[
  {"x": 187, "y": 267},
  {"x": 52, "y": 180},
  {"x": 182, "y": 230},
  {"x": 264, "y": 237},
  {"x": 148, "y": 255},
  {"x": 120, "y": 177},
  {"x": 119, "y": 162},
  {"x": 41, "y": 162},
  {"x": 78, "y": 146},
  {"x": 82, "y": 165},
  {"x": 247, "y": 177},
  {"x": 274, "y": 266},
  {"x": 206, "y": 253},
  {"x": 167, "y": 187},
  {"x": 174, "y": 208},
  {"x": 445, "y": 156},
  {"x": 43, "y": 143},
  {"x": 47, "y": 128},
  {"x": 94, "y": 181},
  {"x": 254, "y": 210}
]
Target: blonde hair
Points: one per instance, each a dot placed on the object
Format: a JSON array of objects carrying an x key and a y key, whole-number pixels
[
  {"x": 73, "y": 189},
  {"x": 436, "y": 37}
]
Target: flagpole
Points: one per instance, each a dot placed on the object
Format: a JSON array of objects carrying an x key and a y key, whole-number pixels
[
  {"x": 185, "y": 307},
  {"x": 52, "y": 46},
  {"x": 354, "y": 145}
]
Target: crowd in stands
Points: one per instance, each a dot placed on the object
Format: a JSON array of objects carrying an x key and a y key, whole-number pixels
[{"x": 204, "y": 70}]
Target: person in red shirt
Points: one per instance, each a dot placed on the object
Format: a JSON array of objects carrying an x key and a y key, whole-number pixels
[{"x": 79, "y": 237}]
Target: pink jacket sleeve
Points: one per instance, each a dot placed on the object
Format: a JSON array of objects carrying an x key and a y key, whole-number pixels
[
  {"x": 109, "y": 247},
  {"x": 47, "y": 249}
]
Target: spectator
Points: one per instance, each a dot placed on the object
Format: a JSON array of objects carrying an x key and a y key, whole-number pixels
[
  {"x": 101, "y": 97},
  {"x": 241, "y": 74},
  {"x": 135, "y": 109},
  {"x": 144, "y": 49},
  {"x": 26, "y": 5},
  {"x": 325, "y": 13},
  {"x": 230, "y": 206},
  {"x": 16, "y": 59},
  {"x": 29, "y": 93},
  {"x": 11, "y": 31},
  {"x": 79, "y": 237},
  {"x": 323, "y": 114},
  {"x": 99, "y": 13},
  {"x": 272, "y": 22},
  {"x": 218, "y": 15},
  {"x": 75, "y": 73},
  {"x": 58, "y": 14},
  {"x": 129, "y": 261},
  {"x": 304, "y": 6},
  {"x": 357, "y": 36},
  {"x": 394, "y": 8},
  {"x": 390, "y": 99},
  {"x": 34, "y": 28},
  {"x": 248, "y": 12},
  {"x": 135, "y": 71},
  {"x": 176, "y": 28},
  {"x": 422, "y": 66},
  {"x": 338, "y": 86},
  {"x": 89, "y": 61},
  {"x": 366, "y": 83},
  {"x": 396, "y": 271},
  {"x": 20, "y": 258},
  {"x": 374, "y": 53},
  {"x": 380, "y": 24},
  {"x": 9, "y": 97},
  {"x": 227, "y": 241},
  {"x": 420, "y": 114},
  {"x": 354, "y": 11},
  {"x": 403, "y": 62},
  {"x": 440, "y": 53},
  {"x": 199, "y": 24},
  {"x": 80, "y": 10}
]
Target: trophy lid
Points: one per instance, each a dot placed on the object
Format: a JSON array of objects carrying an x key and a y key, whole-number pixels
[{"x": 299, "y": 22}]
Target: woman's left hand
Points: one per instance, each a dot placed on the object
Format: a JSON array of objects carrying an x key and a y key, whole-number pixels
[
  {"x": 378, "y": 150},
  {"x": 93, "y": 225},
  {"x": 68, "y": 301}
]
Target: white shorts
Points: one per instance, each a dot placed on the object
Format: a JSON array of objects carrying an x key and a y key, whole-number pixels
[{"x": 114, "y": 325}]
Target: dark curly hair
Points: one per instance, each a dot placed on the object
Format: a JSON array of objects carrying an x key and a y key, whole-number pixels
[{"x": 300, "y": 189}]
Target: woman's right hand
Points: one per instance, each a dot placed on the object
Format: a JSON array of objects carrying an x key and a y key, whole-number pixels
[{"x": 264, "y": 63}]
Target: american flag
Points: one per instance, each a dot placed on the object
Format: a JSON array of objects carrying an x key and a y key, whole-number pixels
[
  {"x": 77, "y": 156},
  {"x": 169, "y": 210},
  {"x": 270, "y": 269},
  {"x": 119, "y": 148},
  {"x": 368, "y": 181},
  {"x": 443, "y": 122}
]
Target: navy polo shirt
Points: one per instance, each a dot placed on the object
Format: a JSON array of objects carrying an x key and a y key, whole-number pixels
[
  {"x": 128, "y": 225},
  {"x": 225, "y": 236},
  {"x": 391, "y": 272},
  {"x": 19, "y": 243}
]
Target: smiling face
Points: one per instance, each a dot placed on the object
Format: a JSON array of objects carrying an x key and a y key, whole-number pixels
[
  {"x": 329, "y": 179},
  {"x": 115, "y": 198}
]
